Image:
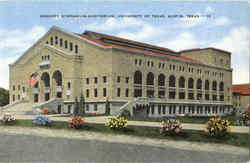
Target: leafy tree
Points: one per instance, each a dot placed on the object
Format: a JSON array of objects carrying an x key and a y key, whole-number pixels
[
  {"x": 4, "y": 97},
  {"x": 82, "y": 104},
  {"x": 107, "y": 107},
  {"x": 76, "y": 107}
]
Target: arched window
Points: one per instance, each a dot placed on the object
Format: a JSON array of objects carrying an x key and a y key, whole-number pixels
[
  {"x": 150, "y": 78},
  {"x": 206, "y": 85},
  {"x": 190, "y": 83},
  {"x": 221, "y": 86},
  {"x": 57, "y": 76},
  {"x": 199, "y": 84},
  {"x": 214, "y": 85},
  {"x": 161, "y": 80},
  {"x": 138, "y": 77},
  {"x": 172, "y": 81},
  {"x": 182, "y": 82},
  {"x": 46, "y": 79}
]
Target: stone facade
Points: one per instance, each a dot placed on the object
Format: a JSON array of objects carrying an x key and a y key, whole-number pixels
[
  {"x": 241, "y": 97},
  {"x": 105, "y": 68}
]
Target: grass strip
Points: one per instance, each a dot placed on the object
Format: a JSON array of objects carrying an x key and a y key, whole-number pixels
[{"x": 236, "y": 139}]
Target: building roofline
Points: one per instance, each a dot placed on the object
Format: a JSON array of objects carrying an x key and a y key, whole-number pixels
[{"x": 201, "y": 49}]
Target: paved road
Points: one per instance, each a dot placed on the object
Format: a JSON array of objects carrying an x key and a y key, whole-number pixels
[{"x": 23, "y": 148}]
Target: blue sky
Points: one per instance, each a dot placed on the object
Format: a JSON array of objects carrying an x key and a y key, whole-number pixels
[{"x": 223, "y": 25}]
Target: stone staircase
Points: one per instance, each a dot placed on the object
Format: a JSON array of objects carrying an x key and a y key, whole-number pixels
[
  {"x": 52, "y": 103},
  {"x": 20, "y": 107},
  {"x": 130, "y": 104}
]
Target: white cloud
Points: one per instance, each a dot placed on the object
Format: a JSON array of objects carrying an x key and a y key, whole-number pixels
[
  {"x": 221, "y": 21},
  {"x": 237, "y": 42},
  {"x": 183, "y": 41},
  {"x": 188, "y": 22},
  {"x": 14, "y": 43},
  {"x": 113, "y": 24},
  {"x": 209, "y": 9},
  {"x": 148, "y": 32}
]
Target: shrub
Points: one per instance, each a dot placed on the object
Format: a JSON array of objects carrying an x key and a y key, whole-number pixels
[
  {"x": 246, "y": 115},
  {"x": 8, "y": 119},
  {"x": 117, "y": 123},
  {"x": 76, "y": 122},
  {"x": 217, "y": 127},
  {"x": 125, "y": 114},
  {"x": 171, "y": 126},
  {"x": 42, "y": 120},
  {"x": 45, "y": 111}
]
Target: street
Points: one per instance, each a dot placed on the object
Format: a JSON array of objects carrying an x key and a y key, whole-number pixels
[{"x": 23, "y": 148}]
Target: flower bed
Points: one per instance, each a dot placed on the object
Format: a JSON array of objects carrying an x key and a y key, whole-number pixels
[
  {"x": 117, "y": 123},
  {"x": 217, "y": 127},
  {"x": 76, "y": 122},
  {"x": 8, "y": 119},
  {"x": 42, "y": 120},
  {"x": 171, "y": 126}
]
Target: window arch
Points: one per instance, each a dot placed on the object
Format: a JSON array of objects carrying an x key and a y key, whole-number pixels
[
  {"x": 161, "y": 80},
  {"x": 182, "y": 82},
  {"x": 191, "y": 83},
  {"x": 199, "y": 84},
  {"x": 150, "y": 78},
  {"x": 57, "y": 76},
  {"x": 221, "y": 86},
  {"x": 46, "y": 79},
  {"x": 172, "y": 81},
  {"x": 214, "y": 85},
  {"x": 138, "y": 77}
]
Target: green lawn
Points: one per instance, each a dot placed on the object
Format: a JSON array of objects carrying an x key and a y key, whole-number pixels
[
  {"x": 197, "y": 120},
  {"x": 236, "y": 139}
]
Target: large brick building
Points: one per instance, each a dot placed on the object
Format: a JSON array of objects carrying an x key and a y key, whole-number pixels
[
  {"x": 132, "y": 75},
  {"x": 241, "y": 96}
]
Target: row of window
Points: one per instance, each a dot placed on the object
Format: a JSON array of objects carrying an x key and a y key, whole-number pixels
[
  {"x": 18, "y": 87},
  {"x": 45, "y": 58},
  {"x": 185, "y": 109},
  {"x": 14, "y": 97},
  {"x": 104, "y": 80},
  {"x": 63, "y": 43},
  {"x": 175, "y": 68},
  {"x": 104, "y": 92}
]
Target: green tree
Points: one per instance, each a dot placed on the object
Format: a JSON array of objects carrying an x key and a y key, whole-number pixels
[
  {"x": 82, "y": 104},
  {"x": 76, "y": 107},
  {"x": 107, "y": 107},
  {"x": 4, "y": 97}
]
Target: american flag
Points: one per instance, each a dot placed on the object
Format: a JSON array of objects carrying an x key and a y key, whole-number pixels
[{"x": 34, "y": 79}]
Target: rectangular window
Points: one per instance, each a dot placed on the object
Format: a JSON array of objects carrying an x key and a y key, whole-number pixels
[
  {"x": 19, "y": 87},
  {"x": 127, "y": 79},
  {"x": 13, "y": 88},
  {"x": 76, "y": 49},
  {"x": 127, "y": 91},
  {"x": 87, "y": 107},
  {"x": 95, "y": 92},
  {"x": 96, "y": 80},
  {"x": 87, "y": 80},
  {"x": 61, "y": 42},
  {"x": 23, "y": 89},
  {"x": 56, "y": 40},
  {"x": 95, "y": 107},
  {"x": 66, "y": 44},
  {"x": 118, "y": 79},
  {"x": 71, "y": 46},
  {"x": 163, "y": 109},
  {"x": 13, "y": 98},
  {"x": 152, "y": 109},
  {"x": 104, "y": 79},
  {"x": 159, "y": 109},
  {"x": 118, "y": 92},
  {"x": 87, "y": 92},
  {"x": 104, "y": 92},
  {"x": 135, "y": 61},
  {"x": 139, "y": 62}
]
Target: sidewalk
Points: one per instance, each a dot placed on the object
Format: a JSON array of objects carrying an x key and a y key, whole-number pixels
[{"x": 104, "y": 119}]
